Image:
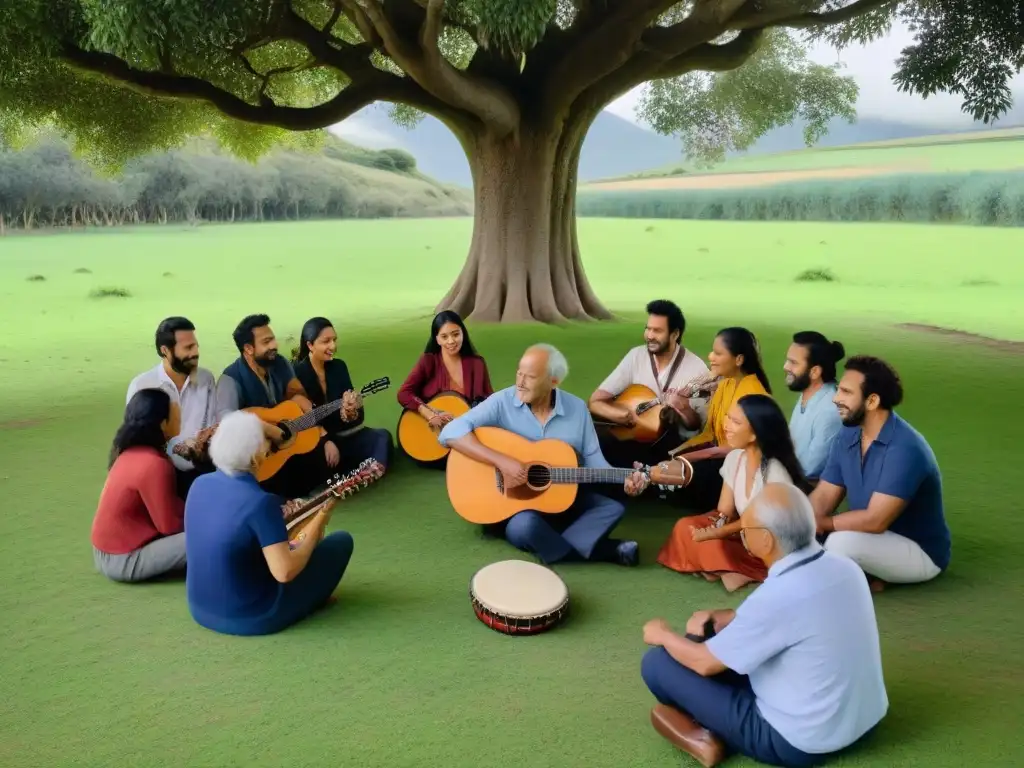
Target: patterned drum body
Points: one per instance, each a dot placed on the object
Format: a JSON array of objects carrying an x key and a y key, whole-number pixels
[{"x": 517, "y": 597}]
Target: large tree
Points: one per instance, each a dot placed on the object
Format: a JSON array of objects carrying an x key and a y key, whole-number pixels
[{"x": 519, "y": 82}]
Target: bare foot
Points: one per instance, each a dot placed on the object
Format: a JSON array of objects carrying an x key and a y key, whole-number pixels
[
  {"x": 734, "y": 581},
  {"x": 711, "y": 576},
  {"x": 877, "y": 585}
]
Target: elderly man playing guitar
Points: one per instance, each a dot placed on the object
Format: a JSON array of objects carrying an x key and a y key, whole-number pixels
[{"x": 535, "y": 408}]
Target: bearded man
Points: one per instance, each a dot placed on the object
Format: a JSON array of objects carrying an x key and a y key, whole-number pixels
[
  {"x": 191, "y": 387},
  {"x": 895, "y": 529}
]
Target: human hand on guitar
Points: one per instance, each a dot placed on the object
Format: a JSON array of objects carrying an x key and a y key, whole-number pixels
[
  {"x": 439, "y": 419},
  {"x": 678, "y": 400},
  {"x": 352, "y": 401},
  {"x": 290, "y": 507},
  {"x": 513, "y": 472},
  {"x": 636, "y": 483},
  {"x": 627, "y": 418}
]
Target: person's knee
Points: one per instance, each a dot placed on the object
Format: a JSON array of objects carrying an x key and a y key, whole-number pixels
[
  {"x": 652, "y": 666},
  {"x": 846, "y": 543},
  {"x": 522, "y": 528},
  {"x": 341, "y": 543}
]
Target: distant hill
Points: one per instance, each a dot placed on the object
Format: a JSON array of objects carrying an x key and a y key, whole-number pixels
[{"x": 614, "y": 146}]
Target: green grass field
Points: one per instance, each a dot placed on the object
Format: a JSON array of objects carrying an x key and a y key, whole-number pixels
[
  {"x": 399, "y": 672},
  {"x": 976, "y": 151}
]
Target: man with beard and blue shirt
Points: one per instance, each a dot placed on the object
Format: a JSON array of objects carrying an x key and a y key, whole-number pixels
[{"x": 896, "y": 528}]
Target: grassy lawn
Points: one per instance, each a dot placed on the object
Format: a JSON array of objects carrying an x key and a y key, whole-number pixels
[{"x": 399, "y": 672}]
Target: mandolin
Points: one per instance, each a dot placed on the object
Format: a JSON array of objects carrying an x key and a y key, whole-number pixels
[
  {"x": 477, "y": 490},
  {"x": 297, "y": 520},
  {"x": 417, "y": 438},
  {"x": 300, "y": 430}
]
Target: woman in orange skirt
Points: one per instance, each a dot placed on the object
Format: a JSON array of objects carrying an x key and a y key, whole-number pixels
[{"x": 762, "y": 452}]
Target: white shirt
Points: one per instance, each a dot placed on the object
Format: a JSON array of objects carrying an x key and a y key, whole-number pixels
[
  {"x": 197, "y": 401},
  {"x": 734, "y": 474},
  {"x": 635, "y": 368},
  {"x": 808, "y": 640}
]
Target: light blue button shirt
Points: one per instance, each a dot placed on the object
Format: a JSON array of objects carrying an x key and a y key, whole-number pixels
[
  {"x": 570, "y": 422},
  {"x": 808, "y": 640},
  {"x": 814, "y": 427}
]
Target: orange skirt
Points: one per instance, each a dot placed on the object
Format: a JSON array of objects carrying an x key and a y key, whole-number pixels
[{"x": 681, "y": 553}]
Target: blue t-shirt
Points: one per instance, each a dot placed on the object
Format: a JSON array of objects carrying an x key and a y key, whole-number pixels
[
  {"x": 228, "y": 522},
  {"x": 898, "y": 463}
]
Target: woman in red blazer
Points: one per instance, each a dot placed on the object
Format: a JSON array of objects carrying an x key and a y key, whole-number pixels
[{"x": 448, "y": 364}]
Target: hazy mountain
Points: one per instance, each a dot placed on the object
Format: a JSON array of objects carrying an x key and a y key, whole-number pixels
[{"x": 613, "y": 147}]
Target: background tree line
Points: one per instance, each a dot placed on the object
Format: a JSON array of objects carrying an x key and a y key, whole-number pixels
[{"x": 45, "y": 185}]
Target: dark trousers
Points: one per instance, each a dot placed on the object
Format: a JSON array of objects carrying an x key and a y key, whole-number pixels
[
  {"x": 301, "y": 474},
  {"x": 305, "y": 593},
  {"x": 367, "y": 443},
  {"x": 622, "y": 453},
  {"x": 725, "y": 705},
  {"x": 581, "y": 532}
]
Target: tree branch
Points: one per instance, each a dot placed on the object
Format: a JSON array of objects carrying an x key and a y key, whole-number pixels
[
  {"x": 422, "y": 61},
  {"x": 384, "y": 87},
  {"x": 601, "y": 44},
  {"x": 714, "y": 58},
  {"x": 757, "y": 15}
]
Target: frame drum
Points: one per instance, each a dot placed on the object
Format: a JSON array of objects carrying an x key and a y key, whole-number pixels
[{"x": 518, "y": 597}]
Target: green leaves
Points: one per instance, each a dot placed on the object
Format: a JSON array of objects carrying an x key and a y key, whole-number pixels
[
  {"x": 715, "y": 114},
  {"x": 512, "y": 27}
]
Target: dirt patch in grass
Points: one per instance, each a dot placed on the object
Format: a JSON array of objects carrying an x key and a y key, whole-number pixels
[
  {"x": 750, "y": 178},
  {"x": 963, "y": 337},
  {"x": 20, "y": 424}
]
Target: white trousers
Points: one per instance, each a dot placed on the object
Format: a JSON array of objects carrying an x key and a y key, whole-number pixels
[{"x": 886, "y": 556}]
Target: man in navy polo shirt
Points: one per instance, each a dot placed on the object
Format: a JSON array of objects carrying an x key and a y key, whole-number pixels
[{"x": 896, "y": 528}]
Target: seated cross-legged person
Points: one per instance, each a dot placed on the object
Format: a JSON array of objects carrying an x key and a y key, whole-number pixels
[
  {"x": 138, "y": 530},
  {"x": 244, "y": 578},
  {"x": 794, "y": 674},
  {"x": 536, "y": 408},
  {"x": 736, "y": 359},
  {"x": 811, "y": 370},
  {"x": 325, "y": 378},
  {"x": 450, "y": 363},
  {"x": 262, "y": 378},
  {"x": 763, "y": 453},
  {"x": 896, "y": 528}
]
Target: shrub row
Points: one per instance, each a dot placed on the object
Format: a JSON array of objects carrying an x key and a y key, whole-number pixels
[{"x": 983, "y": 198}]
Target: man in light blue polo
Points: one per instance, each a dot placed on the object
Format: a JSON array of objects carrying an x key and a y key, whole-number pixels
[
  {"x": 896, "y": 528},
  {"x": 791, "y": 676},
  {"x": 535, "y": 408},
  {"x": 811, "y": 370}
]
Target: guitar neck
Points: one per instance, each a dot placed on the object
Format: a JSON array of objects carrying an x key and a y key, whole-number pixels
[
  {"x": 315, "y": 416},
  {"x": 580, "y": 475},
  {"x": 304, "y": 511}
]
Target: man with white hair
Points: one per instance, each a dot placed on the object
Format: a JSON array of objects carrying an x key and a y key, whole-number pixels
[
  {"x": 792, "y": 675},
  {"x": 536, "y": 409},
  {"x": 244, "y": 577}
]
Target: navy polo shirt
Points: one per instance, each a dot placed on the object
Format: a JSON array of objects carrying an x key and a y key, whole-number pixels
[
  {"x": 228, "y": 522},
  {"x": 898, "y": 463}
]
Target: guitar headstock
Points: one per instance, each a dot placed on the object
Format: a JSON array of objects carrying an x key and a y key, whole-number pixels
[
  {"x": 673, "y": 473},
  {"x": 377, "y": 385},
  {"x": 360, "y": 477}
]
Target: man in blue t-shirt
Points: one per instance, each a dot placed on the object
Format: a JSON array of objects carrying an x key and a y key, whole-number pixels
[
  {"x": 244, "y": 577},
  {"x": 896, "y": 528}
]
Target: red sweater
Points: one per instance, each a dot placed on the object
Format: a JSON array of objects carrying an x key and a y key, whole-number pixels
[
  {"x": 429, "y": 378},
  {"x": 139, "y": 503}
]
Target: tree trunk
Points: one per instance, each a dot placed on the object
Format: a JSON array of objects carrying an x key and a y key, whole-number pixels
[{"x": 524, "y": 263}]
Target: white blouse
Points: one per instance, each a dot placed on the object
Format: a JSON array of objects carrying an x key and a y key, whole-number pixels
[{"x": 734, "y": 475}]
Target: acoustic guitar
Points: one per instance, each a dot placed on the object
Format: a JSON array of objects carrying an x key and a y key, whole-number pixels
[
  {"x": 296, "y": 521},
  {"x": 417, "y": 439},
  {"x": 647, "y": 407},
  {"x": 477, "y": 490},
  {"x": 300, "y": 430}
]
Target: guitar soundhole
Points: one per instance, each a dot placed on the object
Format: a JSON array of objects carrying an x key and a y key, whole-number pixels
[{"x": 538, "y": 476}]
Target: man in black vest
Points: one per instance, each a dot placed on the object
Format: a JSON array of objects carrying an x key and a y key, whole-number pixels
[{"x": 261, "y": 378}]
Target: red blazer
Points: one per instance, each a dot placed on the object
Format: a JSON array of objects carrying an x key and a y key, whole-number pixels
[{"x": 429, "y": 378}]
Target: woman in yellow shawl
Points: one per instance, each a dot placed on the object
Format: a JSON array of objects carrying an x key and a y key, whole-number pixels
[{"x": 736, "y": 359}]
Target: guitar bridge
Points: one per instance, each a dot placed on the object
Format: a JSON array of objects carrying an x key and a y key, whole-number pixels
[{"x": 499, "y": 481}]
